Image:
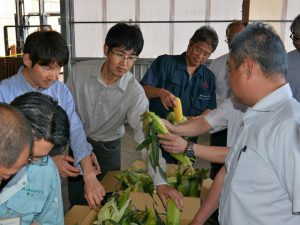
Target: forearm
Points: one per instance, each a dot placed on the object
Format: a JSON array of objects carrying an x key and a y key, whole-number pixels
[
  {"x": 212, "y": 201},
  {"x": 215, "y": 154},
  {"x": 193, "y": 127},
  {"x": 152, "y": 92},
  {"x": 87, "y": 168}
]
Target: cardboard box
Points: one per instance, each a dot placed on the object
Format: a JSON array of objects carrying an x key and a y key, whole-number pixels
[
  {"x": 82, "y": 215},
  {"x": 110, "y": 182},
  {"x": 191, "y": 205}
]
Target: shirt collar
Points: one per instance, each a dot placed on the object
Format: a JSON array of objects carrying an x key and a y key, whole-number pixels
[
  {"x": 181, "y": 65},
  {"x": 14, "y": 185},
  {"x": 122, "y": 83},
  {"x": 25, "y": 83},
  {"x": 271, "y": 102}
]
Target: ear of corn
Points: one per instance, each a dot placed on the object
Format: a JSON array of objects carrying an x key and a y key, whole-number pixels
[
  {"x": 153, "y": 125},
  {"x": 178, "y": 115},
  {"x": 173, "y": 213},
  {"x": 151, "y": 220},
  {"x": 110, "y": 211},
  {"x": 183, "y": 159}
]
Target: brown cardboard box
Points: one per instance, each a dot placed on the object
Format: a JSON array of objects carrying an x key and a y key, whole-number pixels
[
  {"x": 191, "y": 205},
  {"x": 82, "y": 215}
]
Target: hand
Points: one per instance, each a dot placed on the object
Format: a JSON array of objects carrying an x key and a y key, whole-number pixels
[
  {"x": 172, "y": 143},
  {"x": 171, "y": 128},
  {"x": 95, "y": 164},
  {"x": 63, "y": 164},
  {"x": 167, "y": 99},
  {"x": 93, "y": 191},
  {"x": 164, "y": 192},
  {"x": 195, "y": 223}
]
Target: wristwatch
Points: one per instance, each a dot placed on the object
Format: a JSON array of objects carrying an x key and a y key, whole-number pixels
[{"x": 189, "y": 151}]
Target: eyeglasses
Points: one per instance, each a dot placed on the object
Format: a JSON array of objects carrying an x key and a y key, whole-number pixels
[
  {"x": 121, "y": 56},
  {"x": 200, "y": 51},
  {"x": 43, "y": 161},
  {"x": 294, "y": 38}
]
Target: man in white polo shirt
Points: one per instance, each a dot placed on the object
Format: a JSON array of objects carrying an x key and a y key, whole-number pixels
[{"x": 259, "y": 183}]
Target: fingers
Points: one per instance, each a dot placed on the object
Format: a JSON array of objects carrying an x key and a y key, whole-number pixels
[
  {"x": 165, "y": 105},
  {"x": 70, "y": 171},
  {"x": 64, "y": 167},
  {"x": 165, "y": 192},
  {"x": 168, "y": 100},
  {"x": 177, "y": 197},
  {"x": 69, "y": 158},
  {"x": 94, "y": 195}
]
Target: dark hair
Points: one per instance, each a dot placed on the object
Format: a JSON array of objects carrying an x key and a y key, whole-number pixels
[
  {"x": 15, "y": 135},
  {"x": 261, "y": 43},
  {"x": 233, "y": 23},
  {"x": 296, "y": 22},
  {"x": 205, "y": 34},
  {"x": 46, "y": 48},
  {"x": 46, "y": 118},
  {"x": 129, "y": 36}
]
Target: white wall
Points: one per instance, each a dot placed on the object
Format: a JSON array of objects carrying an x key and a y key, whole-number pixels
[{"x": 160, "y": 38}]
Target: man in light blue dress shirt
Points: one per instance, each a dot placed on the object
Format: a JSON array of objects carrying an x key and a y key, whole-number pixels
[{"x": 45, "y": 52}]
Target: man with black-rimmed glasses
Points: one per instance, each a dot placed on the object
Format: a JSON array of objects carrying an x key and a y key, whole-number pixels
[
  {"x": 293, "y": 74},
  {"x": 107, "y": 95}
]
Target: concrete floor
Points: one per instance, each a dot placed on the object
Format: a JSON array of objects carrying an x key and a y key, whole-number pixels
[{"x": 129, "y": 155}]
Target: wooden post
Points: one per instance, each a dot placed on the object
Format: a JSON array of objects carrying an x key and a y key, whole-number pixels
[{"x": 245, "y": 11}]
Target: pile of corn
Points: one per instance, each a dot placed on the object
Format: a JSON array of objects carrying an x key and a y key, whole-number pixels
[
  {"x": 118, "y": 211},
  {"x": 138, "y": 181},
  {"x": 187, "y": 181},
  {"x": 183, "y": 179}
]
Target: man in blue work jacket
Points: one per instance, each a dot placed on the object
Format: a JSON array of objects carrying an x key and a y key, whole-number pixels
[{"x": 183, "y": 76}]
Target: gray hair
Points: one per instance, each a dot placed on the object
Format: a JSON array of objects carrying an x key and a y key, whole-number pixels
[
  {"x": 262, "y": 44},
  {"x": 15, "y": 135}
]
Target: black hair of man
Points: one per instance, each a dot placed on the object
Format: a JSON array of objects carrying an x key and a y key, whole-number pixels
[
  {"x": 15, "y": 135},
  {"x": 123, "y": 35},
  {"x": 46, "y": 47},
  {"x": 205, "y": 34},
  {"x": 234, "y": 23},
  {"x": 46, "y": 118},
  {"x": 295, "y": 23}
]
